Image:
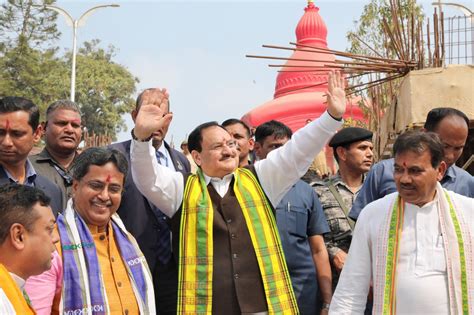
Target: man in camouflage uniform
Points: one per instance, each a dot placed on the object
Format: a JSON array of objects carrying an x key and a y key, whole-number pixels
[{"x": 353, "y": 151}]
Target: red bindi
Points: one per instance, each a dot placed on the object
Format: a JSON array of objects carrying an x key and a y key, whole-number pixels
[
  {"x": 107, "y": 180},
  {"x": 7, "y": 127},
  {"x": 404, "y": 164}
]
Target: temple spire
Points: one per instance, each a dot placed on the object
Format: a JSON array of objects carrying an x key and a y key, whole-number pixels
[{"x": 311, "y": 30}]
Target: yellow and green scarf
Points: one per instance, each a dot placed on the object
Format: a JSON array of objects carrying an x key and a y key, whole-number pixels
[{"x": 196, "y": 246}]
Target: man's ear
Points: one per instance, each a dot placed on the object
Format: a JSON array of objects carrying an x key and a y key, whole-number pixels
[
  {"x": 75, "y": 184},
  {"x": 251, "y": 144},
  {"x": 196, "y": 157},
  {"x": 134, "y": 115},
  {"x": 257, "y": 148},
  {"x": 18, "y": 236},
  {"x": 442, "y": 167},
  {"x": 38, "y": 133},
  {"x": 341, "y": 153}
]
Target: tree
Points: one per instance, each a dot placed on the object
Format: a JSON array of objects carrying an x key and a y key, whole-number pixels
[
  {"x": 26, "y": 23},
  {"x": 104, "y": 89},
  {"x": 37, "y": 75},
  {"x": 370, "y": 38},
  {"x": 32, "y": 68}
]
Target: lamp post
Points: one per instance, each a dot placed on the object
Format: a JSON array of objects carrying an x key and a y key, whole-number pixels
[
  {"x": 75, "y": 24},
  {"x": 467, "y": 12}
]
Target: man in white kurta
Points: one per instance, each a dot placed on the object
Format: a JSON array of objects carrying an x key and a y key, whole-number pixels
[{"x": 423, "y": 281}]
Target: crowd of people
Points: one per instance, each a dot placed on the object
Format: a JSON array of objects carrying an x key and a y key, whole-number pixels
[{"x": 229, "y": 225}]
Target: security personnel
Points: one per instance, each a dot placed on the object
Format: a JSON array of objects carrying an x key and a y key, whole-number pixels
[{"x": 353, "y": 151}]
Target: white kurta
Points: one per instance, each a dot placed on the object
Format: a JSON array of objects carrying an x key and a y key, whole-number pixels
[
  {"x": 422, "y": 284},
  {"x": 6, "y": 307}
]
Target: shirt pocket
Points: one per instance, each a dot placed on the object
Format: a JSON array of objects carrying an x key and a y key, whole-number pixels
[
  {"x": 297, "y": 220},
  {"x": 438, "y": 261},
  {"x": 336, "y": 218}
]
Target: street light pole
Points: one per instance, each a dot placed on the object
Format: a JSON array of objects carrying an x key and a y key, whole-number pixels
[{"x": 75, "y": 24}]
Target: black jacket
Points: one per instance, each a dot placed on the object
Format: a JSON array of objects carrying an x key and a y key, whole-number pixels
[{"x": 135, "y": 210}]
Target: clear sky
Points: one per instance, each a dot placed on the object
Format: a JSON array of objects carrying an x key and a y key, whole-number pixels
[{"x": 196, "y": 49}]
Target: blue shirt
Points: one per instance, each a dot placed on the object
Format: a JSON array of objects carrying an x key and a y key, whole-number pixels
[
  {"x": 30, "y": 175},
  {"x": 380, "y": 182},
  {"x": 299, "y": 215}
]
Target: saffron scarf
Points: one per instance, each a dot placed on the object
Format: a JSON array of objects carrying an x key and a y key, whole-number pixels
[
  {"x": 458, "y": 248},
  {"x": 196, "y": 246},
  {"x": 18, "y": 300},
  {"x": 83, "y": 288}
]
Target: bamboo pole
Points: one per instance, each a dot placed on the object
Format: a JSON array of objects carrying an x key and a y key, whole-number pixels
[
  {"x": 337, "y": 61},
  {"x": 429, "y": 44},
  {"x": 340, "y": 52}
]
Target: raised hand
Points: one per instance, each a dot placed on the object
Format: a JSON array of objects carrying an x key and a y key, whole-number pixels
[
  {"x": 153, "y": 113},
  {"x": 336, "y": 96}
]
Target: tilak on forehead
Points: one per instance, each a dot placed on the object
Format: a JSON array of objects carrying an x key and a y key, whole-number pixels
[
  {"x": 107, "y": 180},
  {"x": 7, "y": 127}
]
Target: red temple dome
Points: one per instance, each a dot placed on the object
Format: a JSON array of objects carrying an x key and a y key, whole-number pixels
[
  {"x": 296, "y": 76},
  {"x": 300, "y": 88},
  {"x": 311, "y": 27}
]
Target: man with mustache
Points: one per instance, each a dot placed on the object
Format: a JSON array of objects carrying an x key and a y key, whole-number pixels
[
  {"x": 353, "y": 152},
  {"x": 100, "y": 268},
  {"x": 63, "y": 133},
  {"x": 230, "y": 254},
  {"x": 415, "y": 245},
  {"x": 301, "y": 224},
  {"x": 240, "y": 132},
  {"x": 26, "y": 243},
  {"x": 147, "y": 223},
  {"x": 452, "y": 126},
  {"x": 19, "y": 132}
]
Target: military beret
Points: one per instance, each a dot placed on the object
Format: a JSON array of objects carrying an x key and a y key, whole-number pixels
[{"x": 349, "y": 135}]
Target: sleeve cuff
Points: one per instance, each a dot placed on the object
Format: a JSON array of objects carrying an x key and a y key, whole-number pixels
[{"x": 329, "y": 123}]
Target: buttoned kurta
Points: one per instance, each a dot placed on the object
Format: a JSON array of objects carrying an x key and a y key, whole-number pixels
[
  {"x": 120, "y": 295},
  {"x": 421, "y": 279}
]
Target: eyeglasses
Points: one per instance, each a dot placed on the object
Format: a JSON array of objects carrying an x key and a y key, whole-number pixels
[{"x": 231, "y": 144}]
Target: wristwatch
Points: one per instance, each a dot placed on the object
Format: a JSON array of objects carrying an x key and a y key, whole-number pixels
[
  {"x": 140, "y": 140},
  {"x": 325, "y": 306}
]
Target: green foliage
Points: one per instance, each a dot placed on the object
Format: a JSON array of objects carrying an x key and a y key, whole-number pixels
[
  {"x": 26, "y": 23},
  {"x": 370, "y": 27},
  {"x": 370, "y": 39},
  {"x": 31, "y": 68},
  {"x": 33, "y": 74},
  {"x": 103, "y": 88}
]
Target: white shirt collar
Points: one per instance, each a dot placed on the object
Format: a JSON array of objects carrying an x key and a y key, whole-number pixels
[
  {"x": 221, "y": 185},
  {"x": 426, "y": 205},
  {"x": 167, "y": 154},
  {"x": 162, "y": 149},
  {"x": 19, "y": 281}
]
